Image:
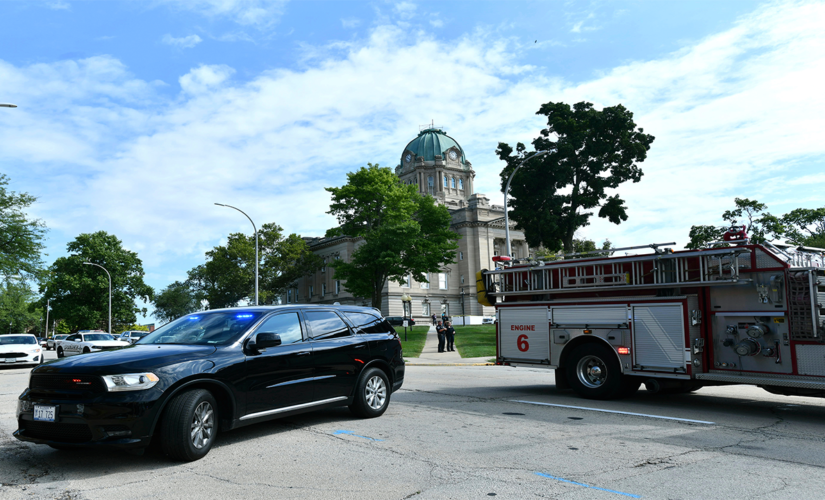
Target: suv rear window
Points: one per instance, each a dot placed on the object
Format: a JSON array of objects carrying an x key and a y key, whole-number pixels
[{"x": 367, "y": 323}]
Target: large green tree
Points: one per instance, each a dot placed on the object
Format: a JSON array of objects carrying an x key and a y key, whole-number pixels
[
  {"x": 403, "y": 232},
  {"x": 79, "y": 293},
  {"x": 589, "y": 153},
  {"x": 805, "y": 226},
  {"x": 19, "y": 311},
  {"x": 228, "y": 275},
  {"x": 174, "y": 301},
  {"x": 21, "y": 237}
]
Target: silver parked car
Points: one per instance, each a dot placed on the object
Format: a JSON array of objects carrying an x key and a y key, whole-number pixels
[
  {"x": 51, "y": 343},
  {"x": 132, "y": 336}
]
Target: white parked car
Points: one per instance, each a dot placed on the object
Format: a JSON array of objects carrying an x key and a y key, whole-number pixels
[
  {"x": 132, "y": 336},
  {"x": 51, "y": 343},
  {"x": 82, "y": 343},
  {"x": 20, "y": 348}
]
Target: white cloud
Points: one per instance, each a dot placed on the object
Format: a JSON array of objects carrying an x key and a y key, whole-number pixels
[
  {"x": 350, "y": 22},
  {"x": 729, "y": 113},
  {"x": 260, "y": 13},
  {"x": 405, "y": 10},
  {"x": 184, "y": 42},
  {"x": 436, "y": 23},
  {"x": 59, "y": 5}
]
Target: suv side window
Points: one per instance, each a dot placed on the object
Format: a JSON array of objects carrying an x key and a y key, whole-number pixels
[
  {"x": 367, "y": 323},
  {"x": 326, "y": 325},
  {"x": 287, "y": 325}
]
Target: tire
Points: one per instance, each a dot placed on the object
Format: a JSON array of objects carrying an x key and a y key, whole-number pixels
[
  {"x": 594, "y": 373},
  {"x": 372, "y": 394},
  {"x": 60, "y": 352},
  {"x": 86, "y": 350},
  {"x": 189, "y": 425}
]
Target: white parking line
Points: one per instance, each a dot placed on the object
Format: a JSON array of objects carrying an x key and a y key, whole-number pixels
[{"x": 614, "y": 411}]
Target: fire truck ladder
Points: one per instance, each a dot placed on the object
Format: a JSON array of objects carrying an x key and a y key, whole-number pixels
[{"x": 660, "y": 270}]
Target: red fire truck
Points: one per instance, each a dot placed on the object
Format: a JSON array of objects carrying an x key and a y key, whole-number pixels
[{"x": 674, "y": 320}]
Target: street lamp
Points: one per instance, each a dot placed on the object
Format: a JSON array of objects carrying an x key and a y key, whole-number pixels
[
  {"x": 256, "y": 246},
  {"x": 507, "y": 190},
  {"x": 110, "y": 292},
  {"x": 406, "y": 300},
  {"x": 463, "y": 316}
]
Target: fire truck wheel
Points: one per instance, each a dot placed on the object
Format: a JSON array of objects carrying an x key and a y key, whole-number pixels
[{"x": 594, "y": 373}]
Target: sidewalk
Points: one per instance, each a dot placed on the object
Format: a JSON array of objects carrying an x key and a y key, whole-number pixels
[{"x": 431, "y": 357}]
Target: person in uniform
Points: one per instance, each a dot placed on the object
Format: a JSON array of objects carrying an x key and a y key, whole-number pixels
[
  {"x": 434, "y": 319},
  {"x": 449, "y": 332},
  {"x": 441, "y": 336}
]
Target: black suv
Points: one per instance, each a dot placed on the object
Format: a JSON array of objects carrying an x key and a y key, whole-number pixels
[{"x": 215, "y": 370}]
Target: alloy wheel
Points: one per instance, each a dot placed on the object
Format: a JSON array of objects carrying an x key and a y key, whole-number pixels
[
  {"x": 202, "y": 425},
  {"x": 376, "y": 392}
]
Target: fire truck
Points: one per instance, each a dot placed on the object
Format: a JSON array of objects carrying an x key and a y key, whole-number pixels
[{"x": 731, "y": 313}]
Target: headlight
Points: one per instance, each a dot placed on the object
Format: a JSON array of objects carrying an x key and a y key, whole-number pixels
[
  {"x": 35, "y": 351},
  {"x": 130, "y": 381}
]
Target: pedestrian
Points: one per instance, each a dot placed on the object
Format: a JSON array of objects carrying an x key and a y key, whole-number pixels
[
  {"x": 441, "y": 336},
  {"x": 444, "y": 317},
  {"x": 449, "y": 332},
  {"x": 434, "y": 319}
]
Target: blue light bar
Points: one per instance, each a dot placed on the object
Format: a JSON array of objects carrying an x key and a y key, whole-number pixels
[
  {"x": 244, "y": 316},
  {"x": 193, "y": 317}
]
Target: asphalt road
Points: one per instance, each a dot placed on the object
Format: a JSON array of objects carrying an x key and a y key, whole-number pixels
[{"x": 457, "y": 432}]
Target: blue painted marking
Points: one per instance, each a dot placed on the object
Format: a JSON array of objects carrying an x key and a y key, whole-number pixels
[
  {"x": 587, "y": 485},
  {"x": 356, "y": 435}
]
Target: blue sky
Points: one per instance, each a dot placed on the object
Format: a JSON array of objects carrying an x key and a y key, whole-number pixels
[{"x": 136, "y": 116}]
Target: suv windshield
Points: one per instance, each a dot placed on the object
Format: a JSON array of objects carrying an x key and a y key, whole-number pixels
[
  {"x": 97, "y": 336},
  {"x": 204, "y": 328},
  {"x": 17, "y": 339}
]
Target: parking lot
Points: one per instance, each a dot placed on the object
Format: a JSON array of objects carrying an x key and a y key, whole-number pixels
[{"x": 465, "y": 432}]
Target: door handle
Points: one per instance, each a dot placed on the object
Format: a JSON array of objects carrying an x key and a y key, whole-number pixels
[
  {"x": 359, "y": 346},
  {"x": 304, "y": 353}
]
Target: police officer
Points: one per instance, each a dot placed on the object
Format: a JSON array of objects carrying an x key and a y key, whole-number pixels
[
  {"x": 449, "y": 332},
  {"x": 441, "y": 336}
]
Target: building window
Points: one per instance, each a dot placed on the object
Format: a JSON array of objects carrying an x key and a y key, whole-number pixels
[
  {"x": 426, "y": 282},
  {"x": 442, "y": 281},
  {"x": 460, "y": 255},
  {"x": 430, "y": 185},
  {"x": 425, "y": 309},
  {"x": 452, "y": 180},
  {"x": 407, "y": 281},
  {"x": 324, "y": 267},
  {"x": 296, "y": 295},
  {"x": 311, "y": 290},
  {"x": 337, "y": 287},
  {"x": 445, "y": 181},
  {"x": 289, "y": 296},
  {"x": 461, "y": 184},
  {"x": 462, "y": 279},
  {"x": 445, "y": 309},
  {"x": 323, "y": 290}
]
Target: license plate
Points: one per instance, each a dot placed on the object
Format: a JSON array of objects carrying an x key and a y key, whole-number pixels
[
  {"x": 44, "y": 413},
  {"x": 11, "y": 360}
]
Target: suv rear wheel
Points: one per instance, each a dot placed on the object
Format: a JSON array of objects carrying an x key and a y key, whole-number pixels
[
  {"x": 189, "y": 425},
  {"x": 372, "y": 394}
]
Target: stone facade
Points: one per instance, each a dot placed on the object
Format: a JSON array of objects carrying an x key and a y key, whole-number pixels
[{"x": 437, "y": 164}]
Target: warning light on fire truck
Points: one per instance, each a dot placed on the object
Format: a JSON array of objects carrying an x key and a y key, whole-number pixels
[{"x": 623, "y": 350}]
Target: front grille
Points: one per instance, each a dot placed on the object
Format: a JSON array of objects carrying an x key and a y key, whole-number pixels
[
  {"x": 57, "y": 431},
  {"x": 107, "y": 347},
  {"x": 74, "y": 383},
  {"x": 13, "y": 355}
]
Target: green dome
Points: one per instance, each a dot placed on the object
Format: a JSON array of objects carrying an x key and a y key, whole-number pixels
[{"x": 431, "y": 142}]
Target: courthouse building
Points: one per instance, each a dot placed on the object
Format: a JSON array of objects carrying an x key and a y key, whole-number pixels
[{"x": 438, "y": 165}]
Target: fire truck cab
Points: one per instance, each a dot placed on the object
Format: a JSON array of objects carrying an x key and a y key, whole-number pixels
[{"x": 674, "y": 320}]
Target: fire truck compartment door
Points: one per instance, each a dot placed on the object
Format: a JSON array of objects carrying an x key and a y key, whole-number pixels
[
  {"x": 524, "y": 333},
  {"x": 590, "y": 315},
  {"x": 659, "y": 337}
]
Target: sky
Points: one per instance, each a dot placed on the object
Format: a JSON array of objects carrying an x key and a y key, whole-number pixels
[{"x": 135, "y": 117}]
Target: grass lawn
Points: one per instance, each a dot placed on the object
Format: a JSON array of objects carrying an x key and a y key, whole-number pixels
[
  {"x": 416, "y": 336},
  {"x": 476, "y": 341}
]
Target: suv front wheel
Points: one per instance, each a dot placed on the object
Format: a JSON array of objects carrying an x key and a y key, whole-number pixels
[
  {"x": 372, "y": 394},
  {"x": 189, "y": 425}
]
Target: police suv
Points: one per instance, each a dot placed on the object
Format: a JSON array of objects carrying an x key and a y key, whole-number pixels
[{"x": 88, "y": 341}]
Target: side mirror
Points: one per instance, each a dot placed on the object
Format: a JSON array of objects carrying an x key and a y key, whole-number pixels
[{"x": 266, "y": 339}]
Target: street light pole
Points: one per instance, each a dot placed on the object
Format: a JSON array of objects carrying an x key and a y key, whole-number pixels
[
  {"x": 507, "y": 190},
  {"x": 47, "y": 317},
  {"x": 110, "y": 292},
  {"x": 463, "y": 316},
  {"x": 406, "y": 299},
  {"x": 256, "y": 246}
]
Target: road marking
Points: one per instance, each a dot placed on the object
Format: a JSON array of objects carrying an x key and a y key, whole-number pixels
[
  {"x": 614, "y": 411},
  {"x": 355, "y": 435},
  {"x": 631, "y": 495}
]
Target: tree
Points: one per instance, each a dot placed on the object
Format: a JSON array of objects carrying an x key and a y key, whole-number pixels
[
  {"x": 21, "y": 238},
  {"x": 580, "y": 245},
  {"x": 760, "y": 226},
  {"x": 404, "y": 233},
  {"x": 228, "y": 275},
  {"x": 79, "y": 293},
  {"x": 590, "y": 152},
  {"x": 805, "y": 226},
  {"x": 174, "y": 301},
  {"x": 19, "y": 311}
]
